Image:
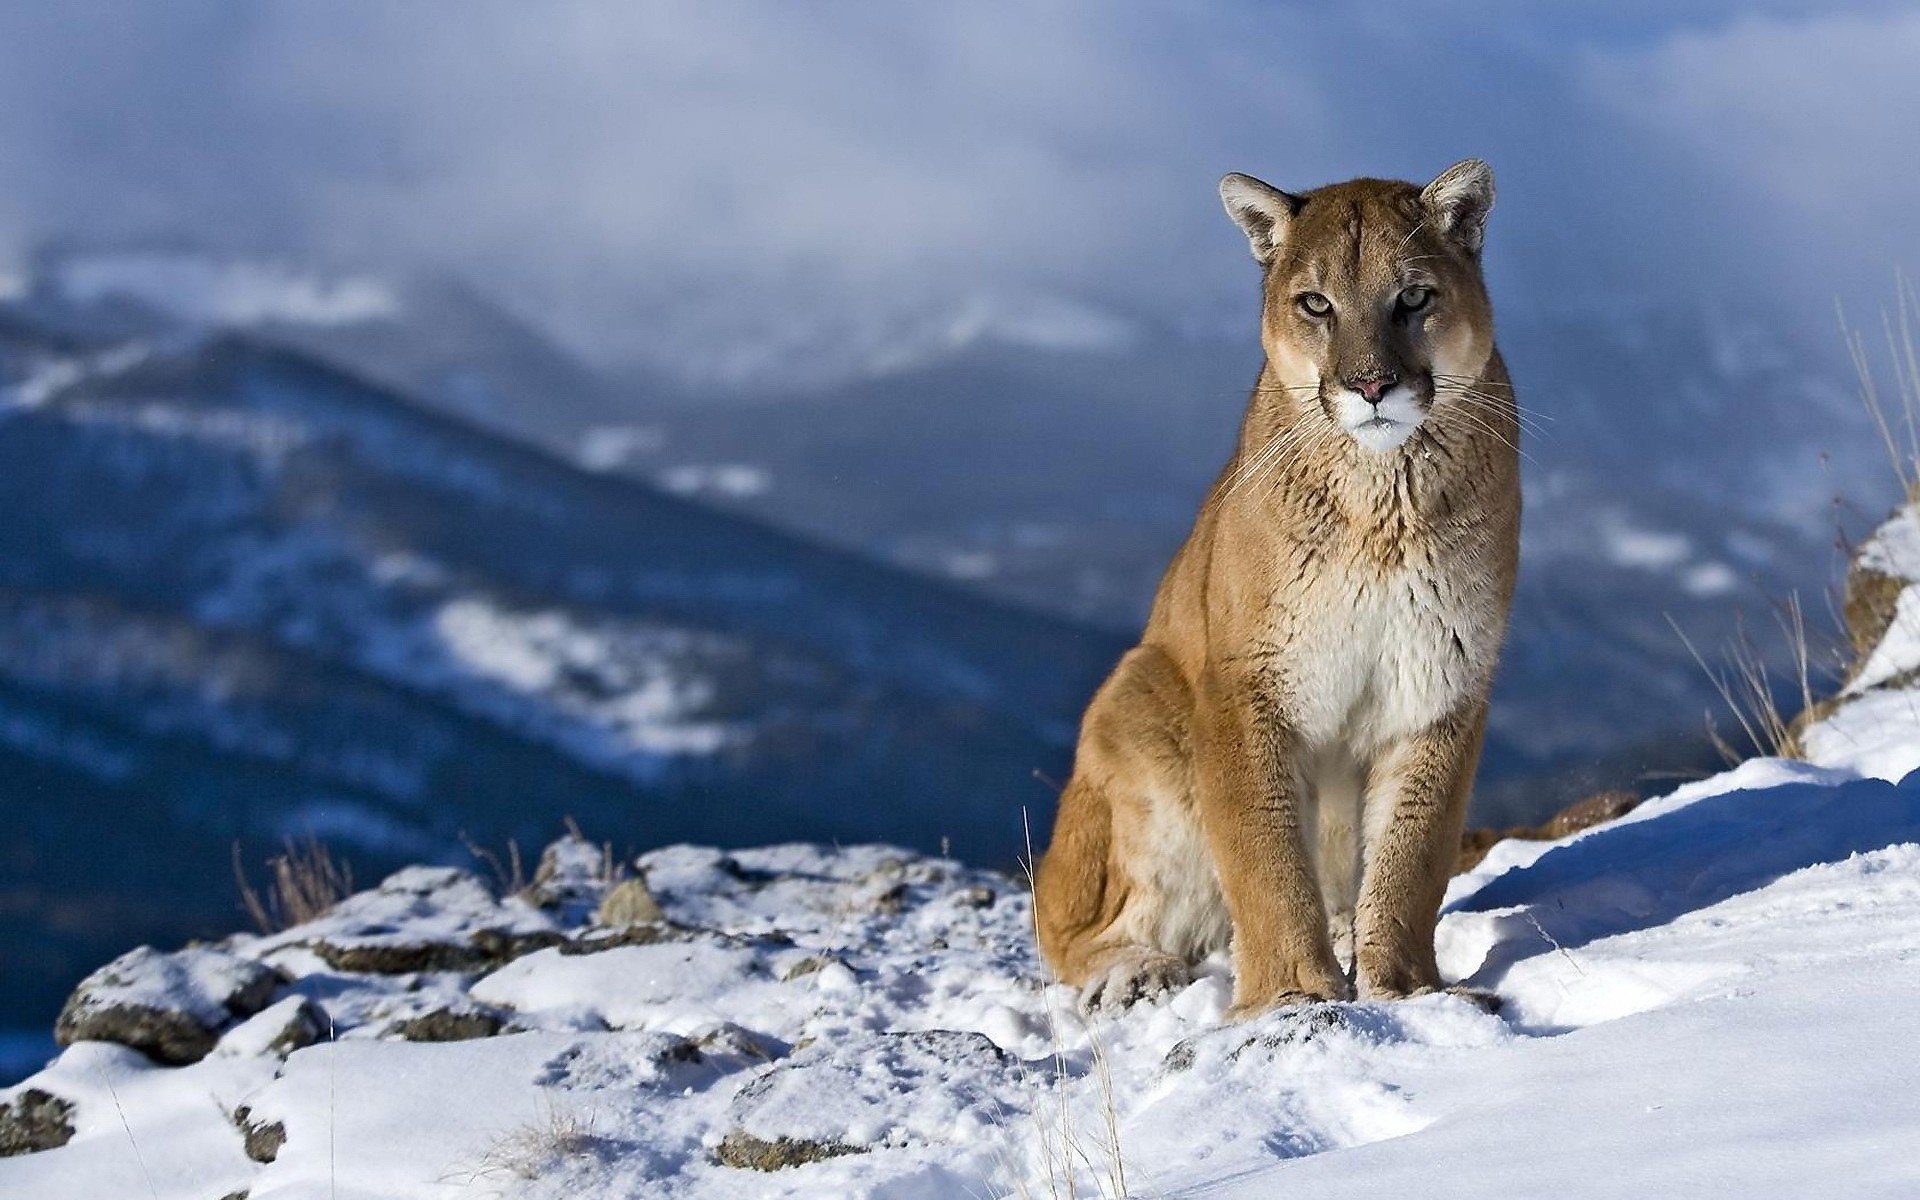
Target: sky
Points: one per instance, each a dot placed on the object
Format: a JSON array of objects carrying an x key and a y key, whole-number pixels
[{"x": 718, "y": 187}]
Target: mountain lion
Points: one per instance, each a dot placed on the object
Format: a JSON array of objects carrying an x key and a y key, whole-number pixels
[{"x": 1284, "y": 760}]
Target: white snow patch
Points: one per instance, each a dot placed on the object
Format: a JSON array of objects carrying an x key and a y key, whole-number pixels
[
  {"x": 232, "y": 292},
  {"x": 1643, "y": 549},
  {"x": 731, "y": 481},
  {"x": 610, "y": 447}
]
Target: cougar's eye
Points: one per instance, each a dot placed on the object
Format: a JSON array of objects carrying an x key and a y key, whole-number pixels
[
  {"x": 1314, "y": 304},
  {"x": 1414, "y": 299}
]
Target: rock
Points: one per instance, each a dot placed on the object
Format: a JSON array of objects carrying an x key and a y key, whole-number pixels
[
  {"x": 1872, "y": 599},
  {"x": 451, "y": 922},
  {"x": 888, "y": 902},
  {"x": 842, "y": 1095},
  {"x": 812, "y": 964},
  {"x": 733, "y": 1046},
  {"x": 369, "y": 956},
  {"x": 262, "y": 1139},
  {"x": 1596, "y": 809},
  {"x": 629, "y": 903},
  {"x": 623, "y": 1062},
  {"x": 977, "y": 896},
  {"x": 1285, "y": 1027},
  {"x": 293, "y": 1024},
  {"x": 596, "y": 940},
  {"x": 503, "y": 946},
  {"x": 571, "y": 878},
  {"x": 749, "y": 1153},
  {"x": 34, "y": 1120},
  {"x": 169, "y": 1006},
  {"x": 448, "y": 1025}
]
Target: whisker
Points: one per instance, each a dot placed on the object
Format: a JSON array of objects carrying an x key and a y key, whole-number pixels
[
  {"x": 1267, "y": 449},
  {"x": 1468, "y": 415},
  {"x": 1273, "y": 452},
  {"x": 1501, "y": 408}
]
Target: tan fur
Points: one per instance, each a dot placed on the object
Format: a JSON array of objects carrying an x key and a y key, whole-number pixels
[{"x": 1286, "y": 757}]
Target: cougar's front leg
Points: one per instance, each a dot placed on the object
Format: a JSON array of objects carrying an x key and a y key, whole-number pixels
[
  {"x": 1416, "y": 805},
  {"x": 1250, "y": 796}
]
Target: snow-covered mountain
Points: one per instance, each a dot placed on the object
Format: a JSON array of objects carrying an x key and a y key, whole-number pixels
[
  {"x": 369, "y": 557},
  {"x": 246, "y": 596},
  {"x": 1704, "y": 997}
]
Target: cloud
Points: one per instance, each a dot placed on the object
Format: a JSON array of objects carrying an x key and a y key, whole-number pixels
[{"x": 704, "y": 183}]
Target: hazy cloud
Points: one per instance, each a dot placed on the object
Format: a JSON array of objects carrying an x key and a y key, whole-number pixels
[{"x": 709, "y": 182}]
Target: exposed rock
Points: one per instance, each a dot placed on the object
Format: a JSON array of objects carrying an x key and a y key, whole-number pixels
[
  {"x": 1289, "y": 1028},
  {"x": 977, "y": 896},
  {"x": 734, "y": 1046},
  {"x": 571, "y": 878},
  {"x": 629, "y": 903},
  {"x": 34, "y": 1120},
  {"x": 749, "y": 1153},
  {"x": 292, "y": 1024},
  {"x": 169, "y": 1006},
  {"x": 816, "y": 1102},
  {"x": 392, "y": 957},
  {"x": 888, "y": 902},
  {"x": 449, "y": 1025},
  {"x": 263, "y": 1139},
  {"x": 1596, "y": 809},
  {"x": 1873, "y": 597},
  {"x": 503, "y": 946},
  {"x": 638, "y": 935},
  {"x": 812, "y": 964}
]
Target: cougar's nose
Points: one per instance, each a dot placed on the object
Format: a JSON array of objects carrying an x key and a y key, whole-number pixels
[{"x": 1372, "y": 384}]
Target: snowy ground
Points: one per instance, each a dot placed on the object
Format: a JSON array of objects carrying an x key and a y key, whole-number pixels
[{"x": 1713, "y": 996}]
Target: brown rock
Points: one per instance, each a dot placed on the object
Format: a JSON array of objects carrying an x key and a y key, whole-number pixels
[
  {"x": 1596, "y": 809},
  {"x": 749, "y": 1153},
  {"x": 446, "y": 1025},
  {"x": 629, "y": 903},
  {"x": 263, "y": 1139},
  {"x": 34, "y": 1120}
]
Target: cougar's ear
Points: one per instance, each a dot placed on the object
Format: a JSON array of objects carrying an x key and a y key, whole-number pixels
[
  {"x": 1459, "y": 200},
  {"x": 1261, "y": 210}
]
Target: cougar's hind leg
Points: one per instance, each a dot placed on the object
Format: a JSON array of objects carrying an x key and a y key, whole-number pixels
[{"x": 1126, "y": 899}]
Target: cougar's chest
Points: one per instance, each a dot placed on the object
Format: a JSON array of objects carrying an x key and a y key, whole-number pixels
[{"x": 1371, "y": 654}]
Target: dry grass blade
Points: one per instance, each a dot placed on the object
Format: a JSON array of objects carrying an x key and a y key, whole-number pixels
[
  {"x": 1748, "y": 688},
  {"x": 509, "y": 875},
  {"x": 304, "y": 882},
  {"x": 1907, "y": 391}
]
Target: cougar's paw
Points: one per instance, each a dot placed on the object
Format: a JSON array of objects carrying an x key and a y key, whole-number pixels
[
  {"x": 1132, "y": 976},
  {"x": 1250, "y": 1007},
  {"x": 1486, "y": 1001}
]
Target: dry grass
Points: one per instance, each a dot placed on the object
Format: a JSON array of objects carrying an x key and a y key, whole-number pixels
[
  {"x": 1747, "y": 685},
  {"x": 1066, "y": 1161},
  {"x": 509, "y": 873},
  {"x": 304, "y": 882},
  {"x": 536, "y": 1150},
  {"x": 1895, "y": 418},
  {"x": 1752, "y": 691}
]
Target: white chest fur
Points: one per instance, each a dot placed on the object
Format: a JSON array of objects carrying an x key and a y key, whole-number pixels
[{"x": 1373, "y": 657}]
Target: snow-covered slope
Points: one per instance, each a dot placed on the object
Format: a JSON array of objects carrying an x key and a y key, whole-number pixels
[
  {"x": 1708, "y": 997},
  {"x": 245, "y": 596}
]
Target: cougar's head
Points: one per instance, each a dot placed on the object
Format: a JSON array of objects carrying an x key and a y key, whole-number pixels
[{"x": 1373, "y": 292}]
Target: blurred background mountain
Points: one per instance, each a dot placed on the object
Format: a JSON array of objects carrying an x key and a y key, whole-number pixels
[{"x": 740, "y": 423}]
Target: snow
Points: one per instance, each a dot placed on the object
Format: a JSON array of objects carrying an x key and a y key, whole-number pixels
[
  {"x": 1710, "y": 996},
  {"x": 610, "y": 447},
  {"x": 235, "y": 292},
  {"x": 731, "y": 481},
  {"x": 1645, "y": 549}
]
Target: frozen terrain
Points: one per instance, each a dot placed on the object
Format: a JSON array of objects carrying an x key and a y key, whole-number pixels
[{"x": 1711, "y": 996}]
